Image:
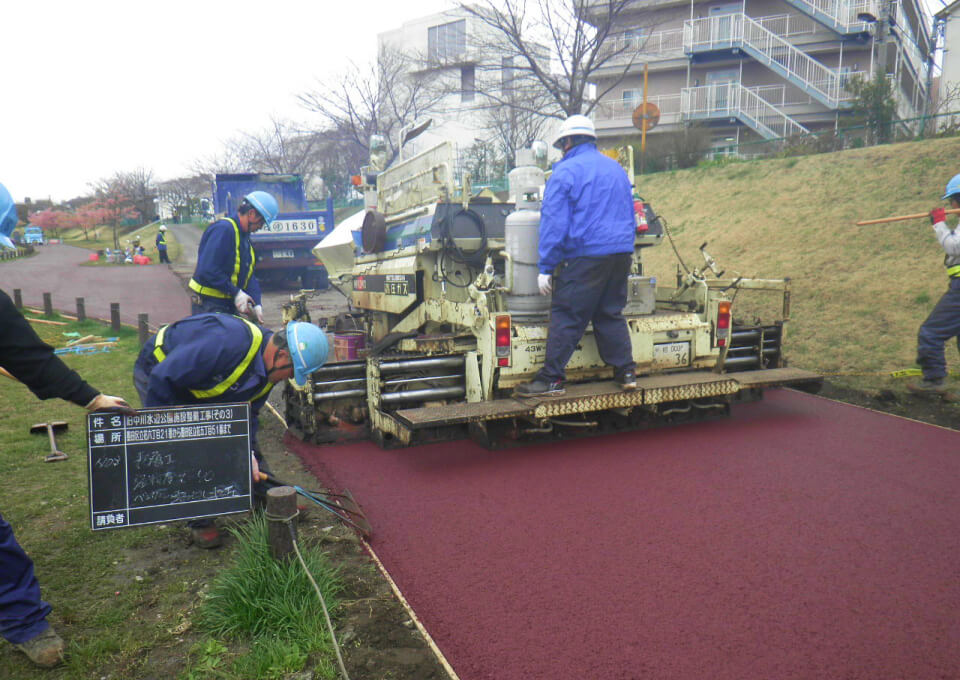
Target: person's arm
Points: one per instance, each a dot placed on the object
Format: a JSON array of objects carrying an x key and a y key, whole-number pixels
[
  {"x": 33, "y": 362},
  {"x": 949, "y": 239},
  {"x": 217, "y": 257},
  {"x": 555, "y": 215}
]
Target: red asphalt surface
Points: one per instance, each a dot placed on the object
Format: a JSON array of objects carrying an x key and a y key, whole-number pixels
[
  {"x": 56, "y": 269},
  {"x": 800, "y": 538}
]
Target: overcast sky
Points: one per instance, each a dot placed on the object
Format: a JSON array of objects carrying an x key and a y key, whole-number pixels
[{"x": 92, "y": 88}]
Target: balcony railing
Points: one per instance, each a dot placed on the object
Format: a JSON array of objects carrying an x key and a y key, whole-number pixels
[
  {"x": 632, "y": 48},
  {"x": 622, "y": 109}
]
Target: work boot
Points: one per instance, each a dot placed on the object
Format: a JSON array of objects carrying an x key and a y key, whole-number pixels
[
  {"x": 539, "y": 388},
  {"x": 928, "y": 386},
  {"x": 45, "y": 650},
  {"x": 206, "y": 536},
  {"x": 627, "y": 379}
]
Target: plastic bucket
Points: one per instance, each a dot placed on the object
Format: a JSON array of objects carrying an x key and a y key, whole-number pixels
[{"x": 349, "y": 345}]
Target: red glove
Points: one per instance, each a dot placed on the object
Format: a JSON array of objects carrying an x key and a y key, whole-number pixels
[{"x": 938, "y": 215}]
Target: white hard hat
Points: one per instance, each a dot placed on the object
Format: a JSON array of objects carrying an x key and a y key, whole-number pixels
[
  {"x": 575, "y": 125},
  {"x": 163, "y": 227}
]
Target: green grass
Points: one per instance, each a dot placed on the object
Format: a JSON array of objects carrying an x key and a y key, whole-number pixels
[{"x": 103, "y": 238}]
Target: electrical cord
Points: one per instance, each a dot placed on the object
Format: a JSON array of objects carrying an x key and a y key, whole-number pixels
[{"x": 666, "y": 230}]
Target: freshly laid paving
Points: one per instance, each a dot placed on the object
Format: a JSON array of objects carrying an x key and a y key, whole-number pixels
[{"x": 800, "y": 538}]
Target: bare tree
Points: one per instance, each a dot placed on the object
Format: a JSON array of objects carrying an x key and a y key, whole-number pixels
[
  {"x": 137, "y": 187},
  {"x": 185, "y": 195},
  {"x": 575, "y": 35},
  {"x": 377, "y": 100}
]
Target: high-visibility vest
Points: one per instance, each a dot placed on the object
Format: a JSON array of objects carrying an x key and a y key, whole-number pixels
[
  {"x": 235, "y": 277},
  {"x": 256, "y": 339},
  {"x": 953, "y": 271}
]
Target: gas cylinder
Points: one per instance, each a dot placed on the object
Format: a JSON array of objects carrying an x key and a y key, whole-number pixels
[{"x": 521, "y": 233}]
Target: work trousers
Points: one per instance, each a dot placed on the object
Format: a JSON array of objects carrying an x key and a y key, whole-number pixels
[
  {"x": 942, "y": 324},
  {"x": 23, "y": 615},
  {"x": 162, "y": 252},
  {"x": 201, "y": 304},
  {"x": 589, "y": 289}
]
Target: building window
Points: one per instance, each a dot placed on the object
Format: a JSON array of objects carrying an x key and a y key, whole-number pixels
[
  {"x": 468, "y": 83},
  {"x": 447, "y": 41}
]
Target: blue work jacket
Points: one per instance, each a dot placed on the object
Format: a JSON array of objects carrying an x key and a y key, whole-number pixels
[
  {"x": 587, "y": 209},
  {"x": 161, "y": 241},
  {"x": 225, "y": 262},
  {"x": 201, "y": 361}
]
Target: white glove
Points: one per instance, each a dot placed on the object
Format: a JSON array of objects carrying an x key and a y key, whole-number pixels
[
  {"x": 243, "y": 302},
  {"x": 545, "y": 283},
  {"x": 258, "y": 312}
]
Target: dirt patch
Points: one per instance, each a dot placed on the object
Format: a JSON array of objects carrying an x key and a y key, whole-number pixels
[{"x": 926, "y": 409}]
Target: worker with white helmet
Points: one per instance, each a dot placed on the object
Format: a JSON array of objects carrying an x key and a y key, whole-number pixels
[
  {"x": 222, "y": 358},
  {"x": 223, "y": 280},
  {"x": 162, "y": 244},
  {"x": 585, "y": 246},
  {"x": 944, "y": 321}
]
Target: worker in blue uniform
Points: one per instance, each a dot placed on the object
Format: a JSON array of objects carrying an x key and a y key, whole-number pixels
[
  {"x": 224, "y": 280},
  {"x": 23, "y": 615},
  {"x": 162, "y": 244},
  {"x": 586, "y": 241},
  {"x": 944, "y": 321},
  {"x": 221, "y": 358}
]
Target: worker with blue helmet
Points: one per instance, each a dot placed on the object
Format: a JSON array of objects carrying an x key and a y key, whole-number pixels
[
  {"x": 224, "y": 280},
  {"x": 186, "y": 361},
  {"x": 944, "y": 321}
]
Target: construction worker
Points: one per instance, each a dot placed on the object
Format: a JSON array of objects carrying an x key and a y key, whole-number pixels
[
  {"x": 23, "y": 615},
  {"x": 223, "y": 280},
  {"x": 585, "y": 245},
  {"x": 221, "y": 358},
  {"x": 944, "y": 321},
  {"x": 162, "y": 244}
]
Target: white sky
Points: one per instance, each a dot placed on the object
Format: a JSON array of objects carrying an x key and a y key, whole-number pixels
[{"x": 92, "y": 88}]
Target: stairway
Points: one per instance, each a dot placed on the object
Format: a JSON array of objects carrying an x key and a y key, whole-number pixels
[
  {"x": 733, "y": 100},
  {"x": 838, "y": 15},
  {"x": 738, "y": 31}
]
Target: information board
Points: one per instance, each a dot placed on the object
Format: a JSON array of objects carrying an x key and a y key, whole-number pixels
[{"x": 171, "y": 463}]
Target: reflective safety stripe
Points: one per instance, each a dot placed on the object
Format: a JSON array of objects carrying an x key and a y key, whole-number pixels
[
  {"x": 953, "y": 271},
  {"x": 220, "y": 388},
  {"x": 234, "y": 278}
]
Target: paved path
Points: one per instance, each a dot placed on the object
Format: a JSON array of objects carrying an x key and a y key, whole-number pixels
[
  {"x": 800, "y": 538},
  {"x": 56, "y": 269}
]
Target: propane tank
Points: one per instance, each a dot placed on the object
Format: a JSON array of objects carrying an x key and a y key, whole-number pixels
[{"x": 521, "y": 233}]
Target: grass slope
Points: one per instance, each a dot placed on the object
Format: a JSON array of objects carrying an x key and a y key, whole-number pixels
[{"x": 859, "y": 294}]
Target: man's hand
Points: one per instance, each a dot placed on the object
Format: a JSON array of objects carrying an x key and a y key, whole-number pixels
[
  {"x": 257, "y": 475},
  {"x": 938, "y": 215},
  {"x": 258, "y": 312},
  {"x": 104, "y": 402},
  {"x": 243, "y": 302},
  {"x": 545, "y": 283}
]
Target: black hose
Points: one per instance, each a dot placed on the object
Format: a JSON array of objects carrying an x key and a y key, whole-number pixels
[{"x": 449, "y": 248}]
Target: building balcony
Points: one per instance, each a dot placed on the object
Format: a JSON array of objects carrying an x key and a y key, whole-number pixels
[{"x": 625, "y": 48}]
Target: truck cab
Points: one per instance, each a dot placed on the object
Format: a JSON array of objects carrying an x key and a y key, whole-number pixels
[{"x": 33, "y": 236}]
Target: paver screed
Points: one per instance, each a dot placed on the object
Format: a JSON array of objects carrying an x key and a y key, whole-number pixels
[{"x": 800, "y": 538}]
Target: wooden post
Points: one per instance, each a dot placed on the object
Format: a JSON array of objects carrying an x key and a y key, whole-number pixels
[
  {"x": 18, "y": 298},
  {"x": 143, "y": 328},
  {"x": 281, "y": 502},
  {"x": 115, "y": 317},
  {"x": 81, "y": 310},
  {"x": 47, "y": 304}
]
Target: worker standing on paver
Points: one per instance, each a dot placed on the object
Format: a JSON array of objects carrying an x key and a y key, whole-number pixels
[
  {"x": 944, "y": 321},
  {"x": 23, "y": 615},
  {"x": 162, "y": 244},
  {"x": 223, "y": 280},
  {"x": 221, "y": 358},
  {"x": 586, "y": 243}
]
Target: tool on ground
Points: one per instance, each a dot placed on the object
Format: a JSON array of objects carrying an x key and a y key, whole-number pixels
[
  {"x": 51, "y": 428},
  {"x": 344, "y": 505},
  {"x": 901, "y": 218}
]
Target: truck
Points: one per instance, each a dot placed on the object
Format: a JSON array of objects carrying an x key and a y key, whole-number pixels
[
  {"x": 33, "y": 235},
  {"x": 445, "y": 320},
  {"x": 284, "y": 248}
]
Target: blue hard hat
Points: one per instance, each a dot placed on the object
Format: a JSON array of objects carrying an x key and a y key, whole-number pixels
[
  {"x": 265, "y": 204},
  {"x": 8, "y": 217},
  {"x": 953, "y": 187},
  {"x": 308, "y": 348}
]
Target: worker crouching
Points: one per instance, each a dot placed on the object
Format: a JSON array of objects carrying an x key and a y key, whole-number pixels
[{"x": 220, "y": 358}]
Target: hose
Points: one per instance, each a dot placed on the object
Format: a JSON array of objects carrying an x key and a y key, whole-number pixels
[{"x": 449, "y": 247}]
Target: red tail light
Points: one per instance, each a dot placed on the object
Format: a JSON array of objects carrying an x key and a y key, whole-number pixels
[
  {"x": 723, "y": 323},
  {"x": 502, "y": 326}
]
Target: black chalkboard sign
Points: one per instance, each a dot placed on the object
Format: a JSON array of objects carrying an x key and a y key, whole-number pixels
[{"x": 164, "y": 464}]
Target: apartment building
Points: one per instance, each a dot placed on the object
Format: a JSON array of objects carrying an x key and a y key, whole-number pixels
[
  {"x": 760, "y": 69},
  {"x": 948, "y": 20}
]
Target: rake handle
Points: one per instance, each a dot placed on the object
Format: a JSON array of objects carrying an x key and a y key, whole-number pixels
[{"x": 901, "y": 218}]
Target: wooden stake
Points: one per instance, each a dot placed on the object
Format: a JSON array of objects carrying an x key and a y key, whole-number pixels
[
  {"x": 281, "y": 503},
  {"x": 47, "y": 321},
  {"x": 901, "y": 218}
]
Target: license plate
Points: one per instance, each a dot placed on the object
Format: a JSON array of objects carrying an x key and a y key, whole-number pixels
[
  {"x": 671, "y": 355},
  {"x": 277, "y": 254}
]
